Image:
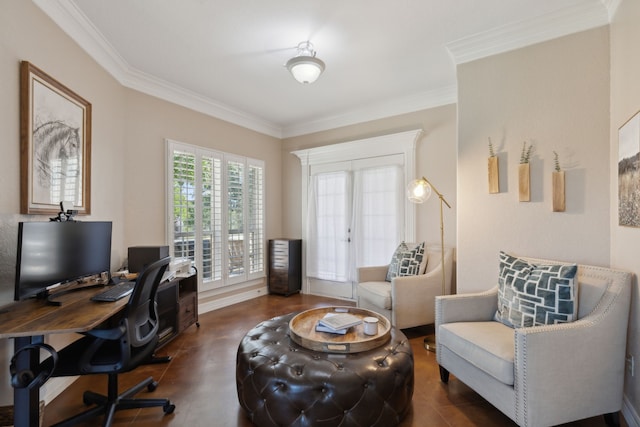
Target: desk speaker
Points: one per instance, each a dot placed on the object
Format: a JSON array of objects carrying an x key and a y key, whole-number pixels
[{"x": 141, "y": 256}]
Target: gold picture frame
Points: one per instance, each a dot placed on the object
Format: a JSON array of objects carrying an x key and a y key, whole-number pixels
[{"x": 55, "y": 145}]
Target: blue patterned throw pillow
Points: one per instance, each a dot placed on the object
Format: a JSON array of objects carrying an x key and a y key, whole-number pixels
[
  {"x": 406, "y": 261},
  {"x": 535, "y": 294}
]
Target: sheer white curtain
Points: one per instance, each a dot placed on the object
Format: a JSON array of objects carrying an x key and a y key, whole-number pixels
[
  {"x": 378, "y": 215},
  {"x": 355, "y": 218},
  {"x": 328, "y": 226}
]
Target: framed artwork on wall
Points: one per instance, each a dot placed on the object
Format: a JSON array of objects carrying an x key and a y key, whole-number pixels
[
  {"x": 55, "y": 145},
  {"x": 629, "y": 172}
]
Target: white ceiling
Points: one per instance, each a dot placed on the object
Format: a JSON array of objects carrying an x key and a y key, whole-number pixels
[{"x": 383, "y": 57}]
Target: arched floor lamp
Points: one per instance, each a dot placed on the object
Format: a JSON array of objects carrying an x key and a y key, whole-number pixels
[{"x": 418, "y": 191}]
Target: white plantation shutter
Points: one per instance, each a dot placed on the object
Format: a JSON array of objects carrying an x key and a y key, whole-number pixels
[
  {"x": 216, "y": 212},
  {"x": 211, "y": 191},
  {"x": 256, "y": 219},
  {"x": 235, "y": 214},
  {"x": 183, "y": 187}
]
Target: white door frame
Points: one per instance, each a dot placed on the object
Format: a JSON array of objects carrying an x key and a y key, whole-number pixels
[{"x": 403, "y": 143}]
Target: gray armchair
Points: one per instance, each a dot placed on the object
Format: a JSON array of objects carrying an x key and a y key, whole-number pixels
[
  {"x": 407, "y": 301},
  {"x": 541, "y": 375}
]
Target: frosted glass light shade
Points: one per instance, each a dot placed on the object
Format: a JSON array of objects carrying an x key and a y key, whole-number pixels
[
  {"x": 305, "y": 69},
  {"x": 418, "y": 191}
]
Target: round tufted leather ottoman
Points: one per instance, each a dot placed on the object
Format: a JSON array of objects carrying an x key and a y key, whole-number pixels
[{"x": 283, "y": 384}]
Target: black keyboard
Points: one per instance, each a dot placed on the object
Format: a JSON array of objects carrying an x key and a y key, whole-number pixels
[{"x": 115, "y": 292}]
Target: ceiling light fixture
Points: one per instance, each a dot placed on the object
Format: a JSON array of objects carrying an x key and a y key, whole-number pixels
[{"x": 305, "y": 67}]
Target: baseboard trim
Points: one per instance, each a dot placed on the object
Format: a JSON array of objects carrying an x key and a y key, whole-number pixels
[
  {"x": 629, "y": 413},
  {"x": 217, "y": 303}
]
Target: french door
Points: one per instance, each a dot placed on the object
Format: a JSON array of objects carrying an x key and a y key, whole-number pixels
[
  {"x": 355, "y": 210},
  {"x": 355, "y": 218}
]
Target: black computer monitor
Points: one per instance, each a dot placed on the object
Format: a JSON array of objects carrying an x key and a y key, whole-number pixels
[{"x": 52, "y": 252}]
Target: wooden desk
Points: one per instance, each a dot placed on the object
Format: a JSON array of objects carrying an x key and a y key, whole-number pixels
[{"x": 28, "y": 321}]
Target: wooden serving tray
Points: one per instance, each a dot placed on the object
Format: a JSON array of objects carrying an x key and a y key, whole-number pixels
[{"x": 302, "y": 330}]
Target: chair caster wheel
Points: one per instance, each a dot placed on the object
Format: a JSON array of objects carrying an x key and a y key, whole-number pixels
[
  {"x": 169, "y": 408},
  {"x": 152, "y": 386}
]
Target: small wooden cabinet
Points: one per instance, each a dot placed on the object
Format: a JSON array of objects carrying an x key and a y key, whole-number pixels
[
  {"x": 187, "y": 302},
  {"x": 177, "y": 307},
  {"x": 285, "y": 266}
]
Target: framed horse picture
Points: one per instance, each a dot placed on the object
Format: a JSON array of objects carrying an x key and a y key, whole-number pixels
[{"x": 55, "y": 145}]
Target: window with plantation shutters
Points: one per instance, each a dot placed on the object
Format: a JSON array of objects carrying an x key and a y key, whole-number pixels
[
  {"x": 255, "y": 221},
  {"x": 216, "y": 213}
]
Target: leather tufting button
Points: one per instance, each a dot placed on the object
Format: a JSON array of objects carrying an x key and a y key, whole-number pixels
[{"x": 274, "y": 373}]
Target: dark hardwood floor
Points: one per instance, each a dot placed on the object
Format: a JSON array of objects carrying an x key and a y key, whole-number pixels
[{"x": 200, "y": 379}]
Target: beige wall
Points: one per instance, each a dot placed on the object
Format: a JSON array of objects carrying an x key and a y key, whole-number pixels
[
  {"x": 149, "y": 122},
  {"x": 128, "y": 166},
  {"x": 27, "y": 34},
  {"x": 625, "y": 102},
  {"x": 554, "y": 95},
  {"x": 436, "y": 160}
]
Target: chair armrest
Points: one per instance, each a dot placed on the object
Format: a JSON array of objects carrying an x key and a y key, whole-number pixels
[
  {"x": 376, "y": 273},
  {"x": 552, "y": 363},
  {"x": 473, "y": 307},
  {"x": 413, "y": 299}
]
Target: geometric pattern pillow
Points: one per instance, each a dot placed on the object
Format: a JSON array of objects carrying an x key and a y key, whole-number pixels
[
  {"x": 392, "y": 271},
  {"x": 535, "y": 294},
  {"x": 406, "y": 261}
]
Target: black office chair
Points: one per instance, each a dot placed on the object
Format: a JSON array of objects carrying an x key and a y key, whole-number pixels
[{"x": 116, "y": 350}]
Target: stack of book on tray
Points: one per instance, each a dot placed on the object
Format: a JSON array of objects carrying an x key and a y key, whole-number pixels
[{"x": 337, "y": 323}]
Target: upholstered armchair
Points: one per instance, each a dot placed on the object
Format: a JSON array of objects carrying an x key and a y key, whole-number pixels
[
  {"x": 407, "y": 301},
  {"x": 541, "y": 375}
]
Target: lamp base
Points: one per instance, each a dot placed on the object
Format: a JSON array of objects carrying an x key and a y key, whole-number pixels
[{"x": 430, "y": 343}]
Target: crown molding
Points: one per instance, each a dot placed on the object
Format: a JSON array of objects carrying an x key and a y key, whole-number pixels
[
  {"x": 612, "y": 7},
  {"x": 569, "y": 20},
  {"x": 394, "y": 107},
  {"x": 72, "y": 21},
  {"x": 178, "y": 95}
]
